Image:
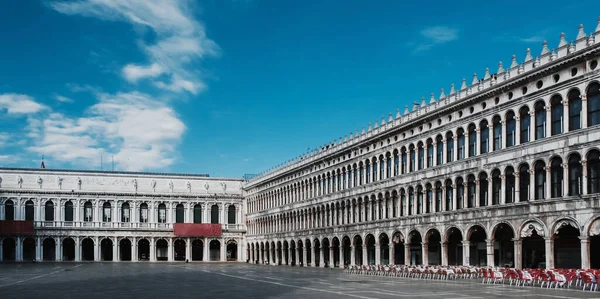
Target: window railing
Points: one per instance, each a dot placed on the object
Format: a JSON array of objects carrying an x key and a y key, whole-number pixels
[{"x": 126, "y": 225}]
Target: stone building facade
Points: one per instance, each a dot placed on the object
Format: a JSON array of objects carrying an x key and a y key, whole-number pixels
[
  {"x": 503, "y": 171},
  {"x": 60, "y": 215}
]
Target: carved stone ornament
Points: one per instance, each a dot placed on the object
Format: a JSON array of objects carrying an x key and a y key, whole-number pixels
[
  {"x": 59, "y": 181},
  {"x": 0, "y": 182},
  {"x": 595, "y": 228},
  {"x": 224, "y": 186},
  {"x": 188, "y": 185},
  {"x": 206, "y": 186},
  {"x": 563, "y": 223},
  {"x": 530, "y": 227},
  {"x": 153, "y": 185},
  {"x": 135, "y": 184},
  {"x": 40, "y": 181},
  {"x": 20, "y": 181},
  {"x": 79, "y": 182},
  {"x": 397, "y": 238},
  {"x": 171, "y": 185}
]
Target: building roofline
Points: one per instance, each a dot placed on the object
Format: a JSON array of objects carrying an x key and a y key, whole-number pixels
[{"x": 132, "y": 173}]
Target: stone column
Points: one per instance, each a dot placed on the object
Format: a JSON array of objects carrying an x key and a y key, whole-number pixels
[
  {"x": 19, "y": 249},
  {"x": 96, "y": 251},
  {"x": 223, "y": 251},
  {"x": 435, "y": 151},
  {"x": 517, "y": 130},
  {"x": 517, "y": 253},
  {"x": 565, "y": 181},
  {"x": 58, "y": 252},
  {"x": 456, "y": 153},
  {"x": 466, "y": 195},
  {"x": 377, "y": 254},
  {"x": 566, "y": 114},
  {"x": 549, "y": 242},
  {"x": 304, "y": 261},
  {"x": 445, "y": 254},
  {"x": 548, "y": 121},
  {"x": 392, "y": 255},
  {"x": 352, "y": 255},
  {"x": 584, "y": 177},
  {"x": 531, "y": 183},
  {"x": 425, "y": 253},
  {"x": 517, "y": 193},
  {"x": 134, "y": 249},
  {"x": 489, "y": 246},
  {"x": 466, "y": 252},
  {"x": 548, "y": 186},
  {"x": 188, "y": 249},
  {"x": 322, "y": 254},
  {"x": 297, "y": 257},
  {"x": 152, "y": 250},
  {"x": 531, "y": 126},
  {"x": 502, "y": 189},
  {"x": 477, "y": 192},
  {"x": 407, "y": 254},
  {"x": 77, "y": 249},
  {"x": 38, "y": 248},
  {"x": 365, "y": 254},
  {"x": 585, "y": 252},
  {"x": 116, "y": 250}
]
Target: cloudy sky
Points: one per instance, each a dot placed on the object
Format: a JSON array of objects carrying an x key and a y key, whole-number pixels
[{"x": 234, "y": 87}]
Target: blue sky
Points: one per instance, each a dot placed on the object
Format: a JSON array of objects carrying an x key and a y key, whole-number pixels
[{"x": 229, "y": 87}]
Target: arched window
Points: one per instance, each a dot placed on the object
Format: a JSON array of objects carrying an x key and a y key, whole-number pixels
[
  {"x": 485, "y": 137},
  {"x": 9, "y": 210},
  {"x": 483, "y": 190},
  {"x": 525, "y": 124},
  {"x": 540, "y": 179},
  {"x": 396, "y": 163},
  {"x": 179, "y": 213},
  {"x": 471, "y": 191},
  {"x": 472, "y": 141},
  {"x": 593, "y": 160},
  {"x": 496, "y": 187},
  {"x": 413, "y": 158},
  {"x": 575, "y": 172},
  {"x": 362, "y": 173},
  {"x": 511, "y": 127},
  {"x": 574, "y": 97},
  {"x": 438, "y": 196},
  {"x": 402, "y": 203},
  {"x": 449, "y": 147},
  {"x": 449, "y": 196},
  {"x": 429, "y": 153},
  {"x": 556, "y": 114},
  {"x": 461, "y": 143},
  {"x": 367, "y": 171},
  {"x": 381, "y": 168},
  {"x": 69, "y": 211},
  {"x": 421, "y": 156},
  {"x": 49, "y": 211},
  {"x": 162, "y": 213},
  {"x": 88, "y": 212},
  {"x": 556, "y": 177},
  {"x": 440, "y": 149},
  {"x": 428, "y": 198},
  {"x": 125, "y": 212},
  {"x": 29, "y": 210},
  {"x": 144, "y": 213},
  {"x": 404, "y": 161},
  {"x": 497, "y": 133},
  {"x": 231, "y": 215},
  {"x": 106, "y": 212},
  {"x": 510, "y": 185},
  {"x": 419, "y": 200},
  {"x": 355, "y": 174},
  {"x": 524, "y": 181},
  {"x": 197, "y": 213},
  {"x": 375, "y": 164},
  {"x": 214, "y": 214},
  {"x": 540, "y": 120},
  {"x": 411, "y": 200},
  {"x": 593, "y": 104}
]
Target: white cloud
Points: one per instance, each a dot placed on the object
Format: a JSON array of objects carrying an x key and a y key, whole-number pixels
[
  {"x": 63, "y": 99},
  {"x": 133, "y": 72},
  {"x": 180, "y": 39},
  {"x": 436, "y": 35},
  {"x": 137, "y": 130},
  {"x": 19, "y": 104},
  {"x": 532, "y": 39}
]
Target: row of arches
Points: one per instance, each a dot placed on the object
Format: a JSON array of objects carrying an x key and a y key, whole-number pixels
[
  {"x": 557, "y": 177},
  {"x": 560, "y": 113},
  {"x": 108, "y": 212},
  {"x": 532, "y": 245},
  {"x": 109, "y": 249}
]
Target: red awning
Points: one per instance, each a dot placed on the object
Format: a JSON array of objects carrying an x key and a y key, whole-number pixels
[
  {"x": 16, "y": 227},
  {"x": 197, "y": 230}
]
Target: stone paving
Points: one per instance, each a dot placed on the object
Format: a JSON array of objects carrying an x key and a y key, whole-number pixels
[{"x": 197, "y": 280}]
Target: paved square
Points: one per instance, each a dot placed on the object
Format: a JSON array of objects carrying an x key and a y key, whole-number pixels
[{"x": 195, "y": 280}]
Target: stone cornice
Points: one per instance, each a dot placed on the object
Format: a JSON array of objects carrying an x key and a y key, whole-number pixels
[{"x": 82, "y": 194}]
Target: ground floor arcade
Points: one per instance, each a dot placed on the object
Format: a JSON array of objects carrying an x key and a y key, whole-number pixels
[
  {"x": 564, "y": 243},
  {"x": 78, "y": 248}
]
